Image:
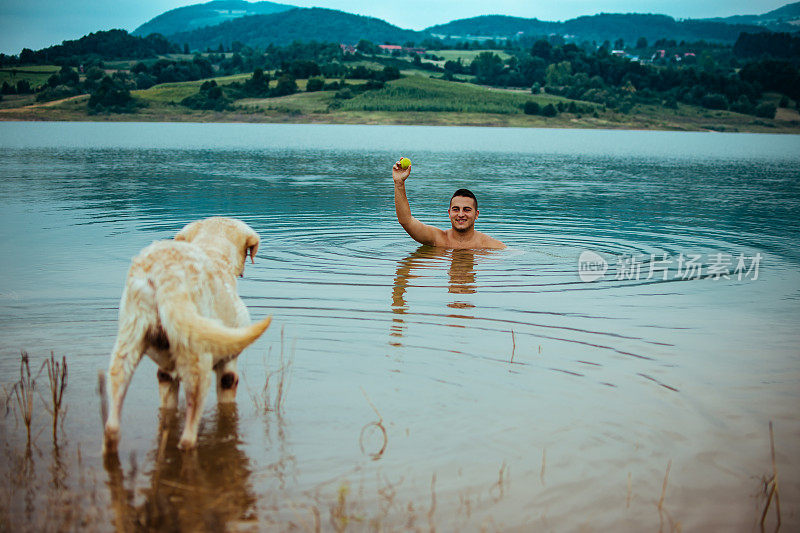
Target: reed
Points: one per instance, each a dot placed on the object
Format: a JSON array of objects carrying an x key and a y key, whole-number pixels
[
  {"x": 24, "y": 390},
  {"x": 267, "y": 400},
  {"x": 432, "y": 511},
  {"x": 379, "y": 424},
  {"x": 771, "y": 486},
  {"x": 57, "y": 379},
  {"x": 339, "y": 516},
  {"x": 673, "y": 526}
]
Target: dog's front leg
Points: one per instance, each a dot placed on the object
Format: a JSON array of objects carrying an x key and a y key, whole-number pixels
[
  {"x": 168, "y": 387},
  {"x": 227, "y": 381},
  {"x": 195, "y": 375}
]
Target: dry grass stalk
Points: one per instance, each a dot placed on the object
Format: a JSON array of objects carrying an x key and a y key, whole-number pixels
[
  {"x": 379, "y": 425},
  {"x": 630, "y": 493},
  {"x": 664, "y": 487},
  {"x": 771, "y": 486},
  {"x": 57, "y": 376},
  {"x": 339, "y": 516},
  {"x": 673, "y": 526},
  {"x": 544, "y": 463},
  {"x": 269, "y": 402},
  {"x": 23, "y": 390},
  {"x": 432, "y": 511},
  {"x": 501, "y": 482},
  {"x": 513, "y": 345},
  {"x": 283, "y": 372}
]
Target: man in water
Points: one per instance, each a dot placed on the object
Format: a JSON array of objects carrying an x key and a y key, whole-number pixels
[{"x": 463, "y": 212}]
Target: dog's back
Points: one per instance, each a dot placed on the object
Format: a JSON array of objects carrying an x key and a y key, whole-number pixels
[{"x": 176, "y": 300}]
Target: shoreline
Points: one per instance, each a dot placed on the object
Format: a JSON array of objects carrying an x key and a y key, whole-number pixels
[
  {"x": 159, "y": 104},
  {"x": 484, "y": 121}
]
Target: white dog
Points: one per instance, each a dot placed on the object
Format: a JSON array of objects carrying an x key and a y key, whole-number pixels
[{"x": 180, "y": 307}]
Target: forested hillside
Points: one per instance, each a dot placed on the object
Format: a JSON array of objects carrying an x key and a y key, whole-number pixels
[
  {"x": 313, "y": 24},
  {"x": 209, "y": 14}
]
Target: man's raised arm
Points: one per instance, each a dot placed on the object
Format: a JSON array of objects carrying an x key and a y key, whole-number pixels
[{"x": 422, "y": 233}]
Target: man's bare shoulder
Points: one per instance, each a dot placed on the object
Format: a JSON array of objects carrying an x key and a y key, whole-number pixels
[{"x": 489, "y": 243}]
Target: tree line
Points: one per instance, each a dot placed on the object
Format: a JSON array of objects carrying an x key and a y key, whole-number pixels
[{"x": 663, "y": 73}]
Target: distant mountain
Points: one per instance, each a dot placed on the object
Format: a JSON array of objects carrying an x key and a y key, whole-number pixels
[
  {"x": 299, "y": 24},
  {"x": 259, "y": 24},
  {"x": 783, "y": 19},
  {"x": 494, "y": 25},
  {"x": 210, "y": 14},
  {"x": 602, "y": 27}
]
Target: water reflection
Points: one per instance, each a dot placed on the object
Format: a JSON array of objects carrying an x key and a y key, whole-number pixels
[
  {"x": 461, "y": 281},
  {"x": 462, "y": 276},
  {"x": 208, "y": 489}
]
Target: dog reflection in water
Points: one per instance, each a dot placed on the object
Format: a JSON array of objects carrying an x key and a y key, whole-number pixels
[{"x": 207, "y": 489}]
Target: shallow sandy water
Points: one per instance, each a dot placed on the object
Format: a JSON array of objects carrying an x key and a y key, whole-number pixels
[{"x": 513, "y": 394}]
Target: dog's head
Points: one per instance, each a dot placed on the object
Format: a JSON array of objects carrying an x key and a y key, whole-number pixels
[{"x": 231, "y": 238}]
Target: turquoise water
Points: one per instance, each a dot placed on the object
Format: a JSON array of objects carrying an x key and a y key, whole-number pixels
[{"x": 518, "y": 394}]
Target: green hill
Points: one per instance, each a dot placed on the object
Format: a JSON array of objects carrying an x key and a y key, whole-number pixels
[
  {"x": 299, "y": 24},
  {"x": 604, "y": 26},
  {"x": 631, "y": 26},
  {"x": 210, "y": 14},
  {"x": 494, "y": 25},
  {"x": 783, "y": 19}
]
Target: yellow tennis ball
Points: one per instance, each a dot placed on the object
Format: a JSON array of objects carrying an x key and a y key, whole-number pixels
[{"x": 405, "y": 163}]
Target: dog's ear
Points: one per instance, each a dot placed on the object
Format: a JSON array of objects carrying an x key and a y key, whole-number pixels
[
  {"x": 251, "y": 246},
  {"x": 188, "y": 232}
]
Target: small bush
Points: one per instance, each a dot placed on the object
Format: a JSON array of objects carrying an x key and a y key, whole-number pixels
[
  {"x": 714, "y": 101},
  {"x": 24, "y": 87},
  {"x": 344, "y": 94},
  {"x": 549, "y": 110},
  {"x": 111, "y": 97},
  {"x": 209, "y": 97},
  {"x": 315, "y": 84},
  {"x": 286, "y": 85},
  {"x": 531, "y": 108},
  {"x": 765, "y": 110}
]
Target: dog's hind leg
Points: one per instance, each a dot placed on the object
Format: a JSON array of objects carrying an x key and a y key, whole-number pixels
[
  {"x": 227, "y": 381},
  {"x": 135, "y": 306},
  {"x": 125, "y": 358},
  {"x": 168, "y": 387},
  {"x": 195, "y": 376}
]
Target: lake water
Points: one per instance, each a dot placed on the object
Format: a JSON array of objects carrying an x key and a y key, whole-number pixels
[{"x": 514, "y": 395}]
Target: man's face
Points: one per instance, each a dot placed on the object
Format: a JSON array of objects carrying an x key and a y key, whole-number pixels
[{"x": 462, "y": 213}]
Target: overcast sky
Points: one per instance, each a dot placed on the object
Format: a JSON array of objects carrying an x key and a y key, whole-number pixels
[{"x": 40, "y": 23}]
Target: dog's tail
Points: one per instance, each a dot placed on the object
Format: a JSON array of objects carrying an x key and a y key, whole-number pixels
[{"x": 184, "y": 326}]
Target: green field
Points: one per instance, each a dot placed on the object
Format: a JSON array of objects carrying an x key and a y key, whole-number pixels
[
  {"x": 466, "y": 56},
  {"x": 418, "y": 93},
  {"x": 175, "y": 92},
  {"x": 35, "y": 74}
]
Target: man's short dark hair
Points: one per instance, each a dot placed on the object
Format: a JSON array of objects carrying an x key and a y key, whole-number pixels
[{"x": 467, "y": 194}]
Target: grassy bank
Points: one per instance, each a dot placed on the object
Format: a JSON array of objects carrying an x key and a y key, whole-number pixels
[{"x": 409, "y": 100}]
